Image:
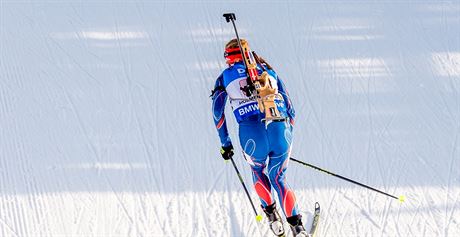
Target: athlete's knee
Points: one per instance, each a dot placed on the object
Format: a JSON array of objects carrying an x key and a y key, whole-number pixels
[
  {"x": 277, "y": 177},
  {"x": 276, "y": 174}
]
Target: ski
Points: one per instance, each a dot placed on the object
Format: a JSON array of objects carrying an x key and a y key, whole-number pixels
[{"x": 315, "y": 222}]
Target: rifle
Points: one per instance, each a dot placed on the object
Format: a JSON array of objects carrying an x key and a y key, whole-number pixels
[{"x": 258, "y": 86}]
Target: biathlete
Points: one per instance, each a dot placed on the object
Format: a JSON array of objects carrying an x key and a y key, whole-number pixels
[{"x": 266, "y": 144}]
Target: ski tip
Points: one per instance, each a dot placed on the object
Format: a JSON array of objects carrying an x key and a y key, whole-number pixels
[
  {"x": 316, "y": 205},
  {"x": 258, "y": 218},
  {"x": 402, "y": 198}
]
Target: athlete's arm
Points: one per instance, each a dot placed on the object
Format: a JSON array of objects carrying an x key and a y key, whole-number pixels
[{"x": 219, "y": 99}]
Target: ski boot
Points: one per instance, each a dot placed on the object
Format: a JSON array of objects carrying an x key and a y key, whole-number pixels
[
  {"x": 274, "y": 219},
  {"x": 296, "y": 226}
]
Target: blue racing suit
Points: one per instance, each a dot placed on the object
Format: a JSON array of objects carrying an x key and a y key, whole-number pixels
[{"x": 266, "y": 147}]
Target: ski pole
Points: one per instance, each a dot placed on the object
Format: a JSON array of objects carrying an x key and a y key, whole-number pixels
[
  {"x": 231, "y": 17},
  {"x": 400, "y": 198},
  {"x": 251, "y": 68},
  {"x": 258, "y": 217}
]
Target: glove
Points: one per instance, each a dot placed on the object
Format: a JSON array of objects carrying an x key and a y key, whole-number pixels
[{"x": 227, "y": 152}]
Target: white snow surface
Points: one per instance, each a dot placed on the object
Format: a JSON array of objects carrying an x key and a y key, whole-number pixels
[{"x": 106, "y": 126}]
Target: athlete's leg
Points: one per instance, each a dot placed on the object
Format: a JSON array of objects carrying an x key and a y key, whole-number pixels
[
  {"x": 253, "y": 140},
  {"x": 280, "y": 139}
]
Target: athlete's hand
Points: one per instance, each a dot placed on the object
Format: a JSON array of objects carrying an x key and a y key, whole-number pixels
[{"x": 227, "y": 152}]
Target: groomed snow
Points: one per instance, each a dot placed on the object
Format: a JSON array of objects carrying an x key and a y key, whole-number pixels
[{"x": 106, "y": 127}]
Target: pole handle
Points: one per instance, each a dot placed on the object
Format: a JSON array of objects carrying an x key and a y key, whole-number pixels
[{"x": 229, "y": 17}]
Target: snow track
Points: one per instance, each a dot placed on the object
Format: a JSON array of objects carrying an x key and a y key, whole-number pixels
[{"x": 106, "y": 128}]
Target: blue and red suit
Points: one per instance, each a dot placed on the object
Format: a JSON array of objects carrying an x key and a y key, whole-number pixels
[{"x": 266, "y": 147}]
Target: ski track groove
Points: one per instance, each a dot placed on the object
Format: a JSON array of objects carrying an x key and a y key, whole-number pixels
[
  {"x": 331, "y": 202},
  {"x": 384, "y": 222},
  {"x": 20, "y": 154},
  {"x": 357, "y": 224},
  {"x": 397, "y": 223},
  {"x": 126, "y": 71},
  {"x": 416, "y": 213},
  {"x": 196, "y": 221},
  {"x": 215, "y": 182},
  {"x": 369, "y": 218},
  {"x": 10, "y": 213},
  {"x": 72, "y": 58},
  {"x": 5, "y": 110},
  {"x": 11, "y": 229},
  {"x": 452, "y": 218},
  {"x": 428, "y": 199},
  {"x": 96, "y": 156},
  {"x": 165, "y": 228},
  {"x": 34, "y": 174},
  {"x": 201, "y": 218},
  {"x": 449, "y": 182},
  {"x": 159, "y": 51},
  {"x": 230, "y": 208}
]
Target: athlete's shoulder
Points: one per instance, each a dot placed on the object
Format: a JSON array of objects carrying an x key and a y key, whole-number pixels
[
  {"x": 219, "y": 81},
  {"x": 234, "y": 71}
]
